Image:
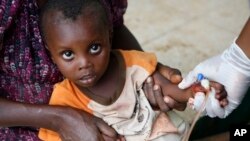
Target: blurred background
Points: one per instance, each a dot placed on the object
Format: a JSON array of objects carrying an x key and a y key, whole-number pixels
[{"x": 182, "y": 33}]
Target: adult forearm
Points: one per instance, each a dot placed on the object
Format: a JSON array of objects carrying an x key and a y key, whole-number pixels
[
  {"x": 243, "y": 39},
  {"x": 20, "y": 114},
  {"x": 124, "y": 39}
]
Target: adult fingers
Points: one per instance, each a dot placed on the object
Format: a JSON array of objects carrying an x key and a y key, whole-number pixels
[
  {"x": 107, "y": 138},
  {"x": 188, "y": 81},
  {"x": 175, "y": 76},
  {"x": 105, "y": 129},
  {"x": 119, "y": 138},
  {"x": 172, "y": 74}
]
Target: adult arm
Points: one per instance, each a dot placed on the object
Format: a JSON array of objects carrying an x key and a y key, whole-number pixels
[
  {"x": 124, "y": 39},
  {"x": 241, "y": 115},
  {"x": 243, "y": 39},
  {"x": 70, "y": 123}
]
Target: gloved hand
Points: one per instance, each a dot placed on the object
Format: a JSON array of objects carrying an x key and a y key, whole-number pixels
[{"x": 231, "y": 69}]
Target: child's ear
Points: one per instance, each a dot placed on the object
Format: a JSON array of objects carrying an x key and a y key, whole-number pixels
[
  {"x": 46, "y": 46},
  {"x": 52, "y": 59}
]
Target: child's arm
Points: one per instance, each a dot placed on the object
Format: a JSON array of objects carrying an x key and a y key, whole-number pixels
[{"x": 171, "y": 89}]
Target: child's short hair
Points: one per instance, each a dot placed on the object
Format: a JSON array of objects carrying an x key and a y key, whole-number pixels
[{"x": 71, "y": 9}]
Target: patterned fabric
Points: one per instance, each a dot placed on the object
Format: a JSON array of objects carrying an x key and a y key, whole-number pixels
[{"x": 27, "y": 73}]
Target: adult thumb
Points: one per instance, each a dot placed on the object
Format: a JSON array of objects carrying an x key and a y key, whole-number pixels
[
  {"x": 188, "y": 80},
  {"x": 105, "y": 129}
]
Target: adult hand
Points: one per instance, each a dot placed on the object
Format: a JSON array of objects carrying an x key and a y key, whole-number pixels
[
  {"x": 172, "y": 74},
  {"x": 77, "y": 125},
  {"x": 154, "y": 94},
  {"x": 231, "y": 68}
]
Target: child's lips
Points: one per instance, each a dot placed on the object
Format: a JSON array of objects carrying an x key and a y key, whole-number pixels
[{"x": 87, "y": 79}]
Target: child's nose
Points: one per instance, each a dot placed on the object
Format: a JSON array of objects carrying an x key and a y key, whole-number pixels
[{"x": 83, "y": 63}]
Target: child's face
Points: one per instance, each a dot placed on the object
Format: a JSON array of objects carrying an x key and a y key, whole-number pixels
[{"x": 79, "y": 48}]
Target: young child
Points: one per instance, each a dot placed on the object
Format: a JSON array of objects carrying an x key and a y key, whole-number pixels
[{"x": 78, "y": 36}]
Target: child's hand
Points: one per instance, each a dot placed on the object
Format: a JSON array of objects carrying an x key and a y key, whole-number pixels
[
  {"x": 155, "y": 95},
  {"x": 158, "y": 100},
  {"x": 212, "y": 105},
  {"x": 221, "y": 94},
  {"x": 231, "y": 68}
]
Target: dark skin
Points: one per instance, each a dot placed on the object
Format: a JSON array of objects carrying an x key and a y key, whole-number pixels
[
  {"x": 43, "y": 116},
  {"x": 81, "y": 51},
  {"x": 164, "y": 101},
  {"x": 93, "y": 128},
  {"x": 243, "y": 39},
  {"x": 172, "y": 90},
  {"x": 122, "y": 38},
  {"x": 78, "y": 38},
  {"x": 78, "y": 48}
]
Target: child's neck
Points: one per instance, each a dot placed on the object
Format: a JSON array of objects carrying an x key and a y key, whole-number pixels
[{"x": 109, "y": 87}]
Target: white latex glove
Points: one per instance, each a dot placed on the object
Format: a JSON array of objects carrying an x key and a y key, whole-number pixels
[
  {"x": 231, "y": 69},
  {"x": 212, "y": 107}
]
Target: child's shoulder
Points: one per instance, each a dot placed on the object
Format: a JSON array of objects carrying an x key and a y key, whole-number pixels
[
  {"x": 135, "y": 57},
  {"x": 65, "y": 84},
  {"x": 134, "y": 53}
]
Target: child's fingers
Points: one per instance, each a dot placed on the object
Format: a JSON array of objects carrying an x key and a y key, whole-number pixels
[
  {"x": 217, "y": 86},
  {"x": 221, "y": 93},
  {"x": 172, "y": 104},
  {"x": 224, "y": 103},
  {"x": 198, "y": 88},
  {"x": 159, "y": 99},
  {"x": 149, "y": 92}
]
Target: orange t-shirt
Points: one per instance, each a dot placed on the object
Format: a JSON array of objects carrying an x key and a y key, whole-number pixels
[{"x": 139, "y": 65}]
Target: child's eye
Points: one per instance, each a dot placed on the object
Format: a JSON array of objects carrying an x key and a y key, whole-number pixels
[
  {"x": 95, "y": 48},
  {"x": 68, "y": 55}
]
